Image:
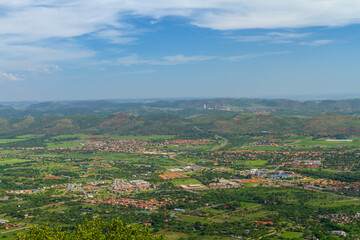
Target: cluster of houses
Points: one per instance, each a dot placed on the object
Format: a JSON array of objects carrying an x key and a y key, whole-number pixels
[
  {"x": 121, "y": 186},
  {"x": 265, "y": 173},
  {"x": 134, "y": 146},
  {"x": 218, "y": 183},
  {"x": 306, "y": 164},
  {"x": 143, "y": 204},
  {"x": 185, "y": 169},
  {"x": 297, "y": 159},
  {"x": 333, "y": 186},
  {"x": 341, "y": 217},
  {"x": 223, "y": 183},
  {"x": 28, "y": 191}
]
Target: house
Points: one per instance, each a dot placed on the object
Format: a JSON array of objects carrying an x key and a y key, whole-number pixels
[
  {"x": 340, "y": 233},
  {"x": 179, "y": 210},
  {"x": 5, "y": 198},
  {"x": 145, "y": 212}
]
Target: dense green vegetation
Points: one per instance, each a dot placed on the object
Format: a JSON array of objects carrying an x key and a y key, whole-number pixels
[
  {"x": 203, "y": 173},
  {"x": 95, "y": 229},
  {"x": 183, "y": 108},
  {"x": 167, "y": 124}
]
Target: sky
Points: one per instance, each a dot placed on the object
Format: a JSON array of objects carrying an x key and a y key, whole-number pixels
[{"x": 121, "y": 49}]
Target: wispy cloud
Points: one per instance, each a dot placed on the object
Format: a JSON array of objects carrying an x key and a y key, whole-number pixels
[
  {"x": 317, "y": 42},
  {"x": 48, "y": 70},
  {"x": 251, "y": 56},
  {"x": 167, "y": 60},
  {"x": 36, "y": 33},
  {"x": 272, "y": 37},
  {"x": 8, "y": 77},
  {"x": 115, "y": 36},
  {"x": 43, "y": 19},
  {"x": 181, "y": 59}
]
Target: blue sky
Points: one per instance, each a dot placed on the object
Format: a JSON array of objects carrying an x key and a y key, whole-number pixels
[{"x": 102, "y": 49}]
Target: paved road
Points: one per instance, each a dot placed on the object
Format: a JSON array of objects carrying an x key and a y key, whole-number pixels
[
  {"x": 223, "y": 144},
  {"x": 224, "y": 140}
]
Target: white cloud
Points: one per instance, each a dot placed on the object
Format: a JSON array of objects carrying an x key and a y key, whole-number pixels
[
  {"x": 115, "y": 36},
  {"x": 8, "y": 77},
  {"x": 59, "y": 18},
  {"x": 181, "y": 59},
  {"x": 317, "y": 42},
  {"x": 273, "y": 37},
  {"x": 48, "y": 70},
  {"x": 252, "y": 55},
  {"x": 265, "y": 14},
  {"x": 35, "y": 33},
  {"x": 167, "y": 60},
  {"x": 23, "y": 56}
]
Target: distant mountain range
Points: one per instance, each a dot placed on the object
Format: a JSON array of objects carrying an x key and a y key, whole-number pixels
[
  {"x": 170, "y": 124},
  {"x": 184, "y": 108}
]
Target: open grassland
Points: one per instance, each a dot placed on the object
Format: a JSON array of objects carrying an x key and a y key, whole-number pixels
[
  {"x": 29, "y": 136},
  {"x": 294, "y": 141},
  {"x": 152, "y": 137},
  {"x": 185, "y": 181},
  {"x": 291, "y": 235},
  {"x": 262, "y": 148},
  {"x": 12, "y": 161},
  {"x": 310, "y": 142},
  {"x": 10, "y": 140},
  {"x": 64, "y": 144},
  {"x": 67, "y": 136}
]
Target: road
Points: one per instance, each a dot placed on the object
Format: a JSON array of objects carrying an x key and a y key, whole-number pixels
[
  {"x": 16, "y": 229},
  {"x": 224, "y": 140},
  {"x": 223, "y": 144}
]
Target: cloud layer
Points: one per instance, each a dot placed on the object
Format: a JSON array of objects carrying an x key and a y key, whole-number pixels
[
  {"x": 31, "y": 30},
  {"x": 58, "y": 18}
]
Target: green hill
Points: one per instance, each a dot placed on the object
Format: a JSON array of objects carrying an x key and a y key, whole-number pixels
[{"x": 169, "y": 124}]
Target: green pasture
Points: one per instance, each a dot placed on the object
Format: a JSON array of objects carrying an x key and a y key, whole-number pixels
[
  {"x": 184, "y": 181},
  {"x": 29, "y": 136},
  {"x": 309, "y": 142},
  {"x": 338, "y": 203},
  {"x": 10, "y": 140},
  {"x": 64, "y": 144},
  {"x": 80, "y": 136},
  {"x": 152, "y": 137},
  {"x": 13, "y": 161},
  {"x": 251, "y": 164},
  {"x": 262, "y": 148},
  {"x": 291, "y": 235},
  {"x": 194, "y": 219}
]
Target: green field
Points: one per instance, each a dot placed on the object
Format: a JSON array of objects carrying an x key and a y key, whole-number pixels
[
  {"x": 184, "y": 181},
  {"x": 80, "y": 136},
  {"x": 10, "y": 140},
  {"x": 28, "y": 136},
  {"x": 291, "y": 235},
  {"x": 152, "y": 137},
  {"x": 13, "y": 161},
  {"x": 262, "y": 148},
  {"x": 309, "y": 142},
  {"x": 64, "y": 144}
]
